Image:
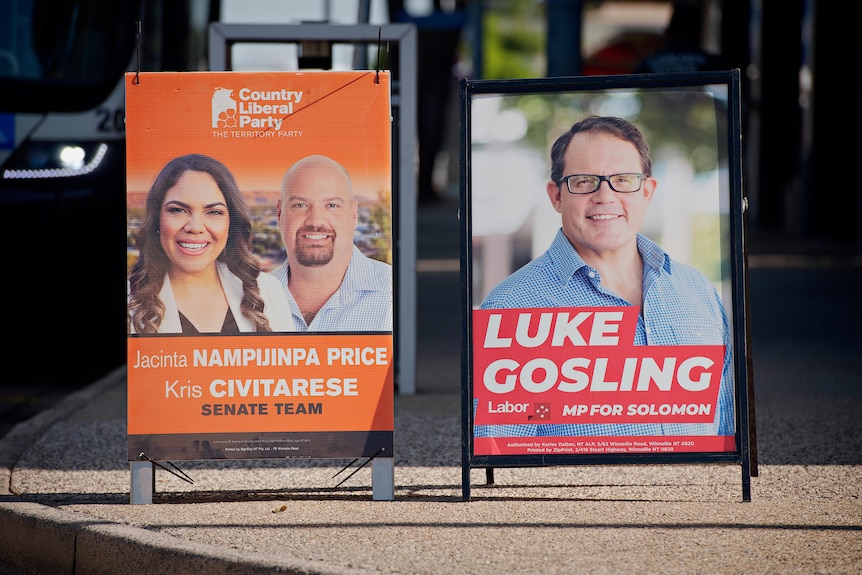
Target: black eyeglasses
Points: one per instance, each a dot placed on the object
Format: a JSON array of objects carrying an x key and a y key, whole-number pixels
[{"x": 587, "y": 183}]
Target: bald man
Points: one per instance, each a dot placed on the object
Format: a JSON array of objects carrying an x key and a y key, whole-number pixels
[{"x": 330, "y": 284}]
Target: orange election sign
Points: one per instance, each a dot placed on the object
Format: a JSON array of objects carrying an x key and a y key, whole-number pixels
[{"x": 261, "y": 386}]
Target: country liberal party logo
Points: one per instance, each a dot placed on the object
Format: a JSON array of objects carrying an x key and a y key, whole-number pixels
[
  {"x": 224, "y": 109},
  {"x": 252, "y": 109}
]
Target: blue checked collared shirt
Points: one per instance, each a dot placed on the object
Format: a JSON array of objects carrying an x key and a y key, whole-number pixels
[
  {"x": 362, "y": 303},
  {"x": 680, "y": 307}
]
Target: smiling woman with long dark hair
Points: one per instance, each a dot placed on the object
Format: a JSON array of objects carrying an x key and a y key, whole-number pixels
[{"x": 196, "y": 272}]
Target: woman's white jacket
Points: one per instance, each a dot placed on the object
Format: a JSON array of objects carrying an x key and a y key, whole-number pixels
[{"x": 276, "y": 306}]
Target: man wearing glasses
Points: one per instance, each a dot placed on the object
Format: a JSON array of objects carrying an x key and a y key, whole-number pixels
[{"x": 601, "y": 184}]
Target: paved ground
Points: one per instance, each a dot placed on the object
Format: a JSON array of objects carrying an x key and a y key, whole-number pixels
[{"x": 64, "y": 478}]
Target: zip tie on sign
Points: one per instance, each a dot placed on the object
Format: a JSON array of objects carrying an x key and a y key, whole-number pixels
[
  {"x": 138, "y": 27},
  {"x": 379, "y": 52},
  {"x": 377, "y": 75}
]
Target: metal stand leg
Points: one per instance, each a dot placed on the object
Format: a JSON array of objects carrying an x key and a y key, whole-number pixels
[
  {"x": 383, "y": 479},
  {"x": 143, "y": 482}
]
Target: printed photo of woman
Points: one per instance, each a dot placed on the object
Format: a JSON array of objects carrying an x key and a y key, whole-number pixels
[{"x": 196, "y": 272}]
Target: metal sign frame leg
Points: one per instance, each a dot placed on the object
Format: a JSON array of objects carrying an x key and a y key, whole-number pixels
[
  {"x": 143, "y": 482},
  {"x": 383, "y": 479}
]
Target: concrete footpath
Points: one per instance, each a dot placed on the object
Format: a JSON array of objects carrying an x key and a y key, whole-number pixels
[
  {"x": 65, "y": 479},
  {"x": 70, "y": 511}
]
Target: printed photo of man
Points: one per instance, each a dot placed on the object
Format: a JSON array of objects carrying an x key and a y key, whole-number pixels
[
  {"x": 601, "y": 184},
  {"x": 330, "y": 284}
]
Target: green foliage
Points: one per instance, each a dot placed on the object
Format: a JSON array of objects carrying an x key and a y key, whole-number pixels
[
  {"x": 684, "y": 120},
  {"x": 513, "y": 40}
]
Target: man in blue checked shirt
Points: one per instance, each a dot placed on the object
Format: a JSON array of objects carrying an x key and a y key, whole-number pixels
[
  {"x": 601, "y": 183},
  {"x": 330, "y": 284}
]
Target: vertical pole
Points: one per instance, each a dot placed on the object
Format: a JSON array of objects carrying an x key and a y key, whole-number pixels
[
  {"x": 405, "y": 329},
  {"x": 564, "y": 38}
]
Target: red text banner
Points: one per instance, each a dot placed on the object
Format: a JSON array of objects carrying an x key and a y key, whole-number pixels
[
  {"x": 578, "y": 366},
  {"x": 260, "y": 383}
]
